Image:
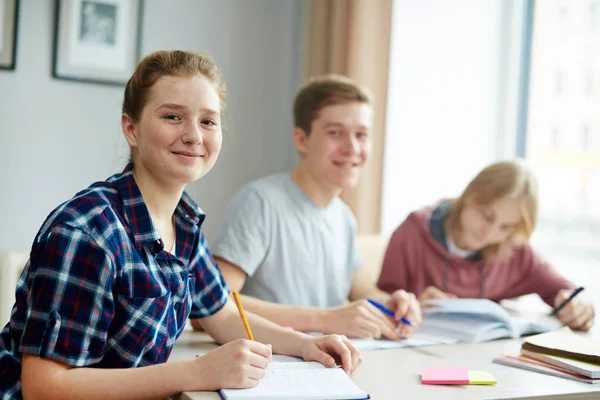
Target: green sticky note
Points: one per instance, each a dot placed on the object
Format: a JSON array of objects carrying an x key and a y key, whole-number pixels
[{"x": 481, "y": 378}]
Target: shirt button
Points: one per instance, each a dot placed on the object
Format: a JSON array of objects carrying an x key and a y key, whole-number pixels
[{"x": 158, "y": 246}]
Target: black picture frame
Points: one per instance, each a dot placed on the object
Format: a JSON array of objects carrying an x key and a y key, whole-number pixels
[
  {"x": 97, "y": 41},
  {"x": 9, "y": 23}
]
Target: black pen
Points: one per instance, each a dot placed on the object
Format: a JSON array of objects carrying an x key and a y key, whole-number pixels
[{"x": 556, "y": 310}]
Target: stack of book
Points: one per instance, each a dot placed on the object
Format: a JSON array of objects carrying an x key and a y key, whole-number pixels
[{"x": 560, "y": 353}]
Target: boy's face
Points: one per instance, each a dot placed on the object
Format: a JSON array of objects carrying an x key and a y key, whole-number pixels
[{"x": 338, "y": 145}]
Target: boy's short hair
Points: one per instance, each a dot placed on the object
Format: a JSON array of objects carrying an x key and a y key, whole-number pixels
[{"x": 323, "y": 91}]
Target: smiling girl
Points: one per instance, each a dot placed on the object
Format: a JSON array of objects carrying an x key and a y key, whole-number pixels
[{"x": 115, "y": 272}]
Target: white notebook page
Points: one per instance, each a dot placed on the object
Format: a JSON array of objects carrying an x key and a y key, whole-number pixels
[{"x": 302, "y": 380}]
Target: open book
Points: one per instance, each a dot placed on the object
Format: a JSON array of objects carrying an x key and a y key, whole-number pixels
[
  {"x": 300, "y": 380},
  {"x": 363, "y": 344},
  {"x": 475, "y": 320}
]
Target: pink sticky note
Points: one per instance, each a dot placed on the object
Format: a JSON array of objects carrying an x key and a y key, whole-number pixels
[{"x": 445, "y": 376}]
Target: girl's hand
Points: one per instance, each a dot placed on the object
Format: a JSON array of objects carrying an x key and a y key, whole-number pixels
[
  {"x": 576, "y": 314},
  {"x": 330, "y": 350},
  {"x": 405, "y": 305},
  {"x": 431, "y": 292},
  {"x": 235, "y": 365}
]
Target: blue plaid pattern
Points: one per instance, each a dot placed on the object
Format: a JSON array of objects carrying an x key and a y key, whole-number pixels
[{"x": 99, "y": 290}]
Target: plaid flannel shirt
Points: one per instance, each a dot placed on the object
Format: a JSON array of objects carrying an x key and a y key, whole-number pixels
[{"x": 100, "y": 291}]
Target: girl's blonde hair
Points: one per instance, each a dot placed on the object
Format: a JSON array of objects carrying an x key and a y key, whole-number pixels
[
  {"x": 511, "y": 179},
  {"x": 323, "y": 91}
]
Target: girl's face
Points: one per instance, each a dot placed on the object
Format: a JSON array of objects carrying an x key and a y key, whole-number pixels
[
  {"x": 178, "y": 136},
  {"x": 485, "y": 225}
]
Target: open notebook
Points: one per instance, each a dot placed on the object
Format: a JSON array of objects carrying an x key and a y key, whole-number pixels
[
  {"x": 300, "y": 380},
  {"x": 364, "y": 344},
  {"x": 383, "y": 344},
  {"x": 475, "y": 320}
]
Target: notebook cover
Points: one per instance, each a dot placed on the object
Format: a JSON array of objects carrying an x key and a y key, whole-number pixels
[{"x": 223, "y": 397}]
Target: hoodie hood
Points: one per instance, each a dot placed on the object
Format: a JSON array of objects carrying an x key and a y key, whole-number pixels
[{"x": 431, "y": 223}]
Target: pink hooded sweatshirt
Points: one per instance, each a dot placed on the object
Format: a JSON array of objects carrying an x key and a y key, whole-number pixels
[{"x": 417, "y": 257}]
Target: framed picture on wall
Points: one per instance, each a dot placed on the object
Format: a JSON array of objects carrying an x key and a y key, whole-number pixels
[
  {"x": 9, "y": 16},
  {"x": 96, "y": 40}
]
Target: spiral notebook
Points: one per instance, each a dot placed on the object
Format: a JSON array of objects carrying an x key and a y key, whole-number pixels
[{"x": 300, "y": 380}]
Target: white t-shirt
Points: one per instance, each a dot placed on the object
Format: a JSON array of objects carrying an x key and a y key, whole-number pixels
[
  {"x": 457, "y": 251},
  {"x": 293, "y": 251}
]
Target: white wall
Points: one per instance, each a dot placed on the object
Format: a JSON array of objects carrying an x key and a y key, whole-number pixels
[
  {"x": 448, "y": 99},
  {"x": 57, "y": 137}
]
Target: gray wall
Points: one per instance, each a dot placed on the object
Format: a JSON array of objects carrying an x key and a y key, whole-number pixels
[{"x": 57, "y": 136}]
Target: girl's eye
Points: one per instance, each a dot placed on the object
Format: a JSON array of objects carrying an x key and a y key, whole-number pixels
[
  {"x": 334, "y": 133},
  {"x": 172, "y": 117},
  {"x": 487, "y": 216},
  {"x": 209, "y": 122}
]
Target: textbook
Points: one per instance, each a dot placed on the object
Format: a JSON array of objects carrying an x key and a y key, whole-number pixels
[
  {"x": 564, "y": 343},
  {"x": 529, "y": 364},
  {"x": 475, "y": 320},
  {"x": 299, "y": 381},
  {"x": 579, "y": 367}
]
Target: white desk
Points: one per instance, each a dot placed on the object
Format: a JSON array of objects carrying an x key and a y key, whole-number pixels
[{"x": 394, "y": 374}]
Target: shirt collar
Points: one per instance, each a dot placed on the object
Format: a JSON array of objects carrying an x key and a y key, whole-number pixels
[{"x": 137, "y": 214}]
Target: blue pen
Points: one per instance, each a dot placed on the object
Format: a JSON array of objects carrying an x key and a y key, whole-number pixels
[{"x": 387, "y": 311}]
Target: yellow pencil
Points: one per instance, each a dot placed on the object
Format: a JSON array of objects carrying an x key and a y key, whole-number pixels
[{"x": 238, "y": 303}]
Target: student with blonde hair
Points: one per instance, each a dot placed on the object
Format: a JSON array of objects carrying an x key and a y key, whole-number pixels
[
  {"x": 116, "y": 271},
  {"x": 476, "y": 246}
]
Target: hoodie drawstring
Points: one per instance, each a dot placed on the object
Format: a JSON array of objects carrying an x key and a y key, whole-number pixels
[
  {"x": 446, "y": 274},
  {"x": 482, "y": 274}
]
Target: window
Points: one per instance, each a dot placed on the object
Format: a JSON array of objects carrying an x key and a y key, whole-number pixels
[
  {"x": 524, "y": 85},
  {"x": 563, "y": 135}
]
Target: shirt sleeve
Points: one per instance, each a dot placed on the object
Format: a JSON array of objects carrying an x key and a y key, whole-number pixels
[
  {"x": 541, "y": 277},
  {"x": 395, "y": 268},
  {"x": 70, "y": 303},
  {"x": 244, "y": 237},
  {"x": 211, "y": 291}
]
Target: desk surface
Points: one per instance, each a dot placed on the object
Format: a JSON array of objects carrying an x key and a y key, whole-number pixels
[{"x": 387, "y": 374}]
